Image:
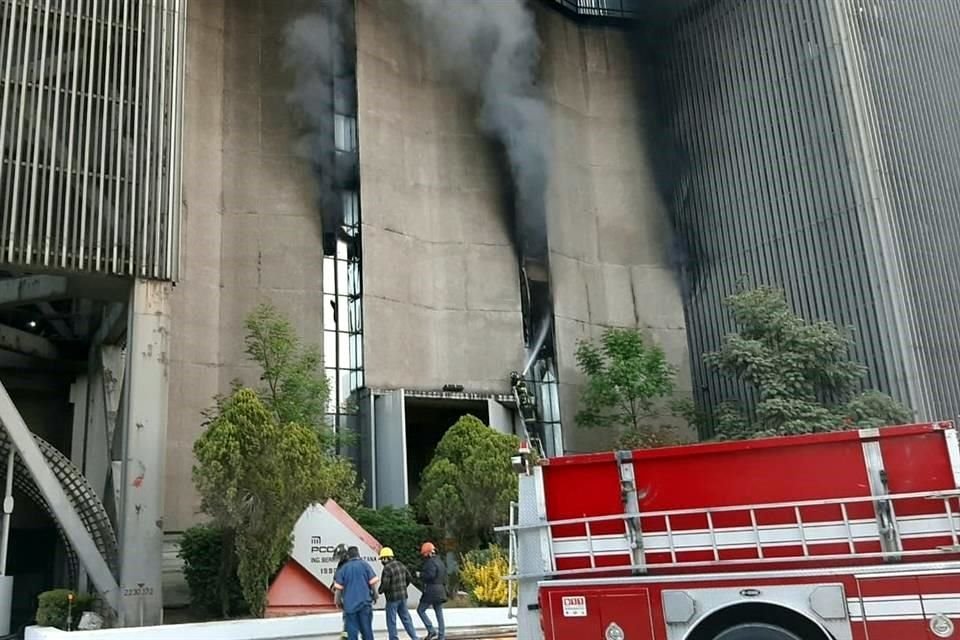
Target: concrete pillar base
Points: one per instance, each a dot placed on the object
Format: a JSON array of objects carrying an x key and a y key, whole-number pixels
[{"x": 6, "y": 603}]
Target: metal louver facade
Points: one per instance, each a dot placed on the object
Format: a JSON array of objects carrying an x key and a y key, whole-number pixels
[
  {"x": 90, "y": 135},
  {"x": 821, "y": 154}
]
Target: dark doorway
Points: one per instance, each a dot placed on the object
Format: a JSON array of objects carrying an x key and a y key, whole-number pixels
[{"x": 427, "y": 420}]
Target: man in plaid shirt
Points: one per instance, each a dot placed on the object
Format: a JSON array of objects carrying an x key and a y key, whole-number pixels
[{"x": 394, "y": 581}]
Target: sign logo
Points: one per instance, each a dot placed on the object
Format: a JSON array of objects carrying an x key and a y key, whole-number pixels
[
  {"x": 574, "y": 606},
  {"x": 614, "y": 632},
  {"x": 316, "y": 547}
]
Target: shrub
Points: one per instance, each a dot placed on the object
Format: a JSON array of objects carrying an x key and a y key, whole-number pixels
[
  {"x": 53, "y": 607},
  {"x": 482, "y": 575},
  {"x": 201, "y": 549},
  {"x": 467, "y": 488},
  {"x": 397, "y": 529}
]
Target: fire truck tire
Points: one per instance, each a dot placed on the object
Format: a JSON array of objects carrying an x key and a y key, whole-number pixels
[{"x": 756, "y": 631}]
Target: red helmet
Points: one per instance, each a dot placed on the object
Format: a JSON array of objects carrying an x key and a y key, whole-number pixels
[{"x": 427, "y": 548}]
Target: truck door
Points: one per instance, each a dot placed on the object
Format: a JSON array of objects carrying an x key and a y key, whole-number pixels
[
  {"x": 890, "y": 608},
  {"x": 624, "y": 614},
  {"x": 941, "y": 604}
]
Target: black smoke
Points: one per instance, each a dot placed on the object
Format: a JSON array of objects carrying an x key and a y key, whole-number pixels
[
  {"x": 492, "y": 50},
  {"x": 318, "y": 50}
]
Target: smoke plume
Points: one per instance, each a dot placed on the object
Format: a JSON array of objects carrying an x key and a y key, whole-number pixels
[
  {"x": 492, "y": 50},
  {"x": 315, "y": 50}
]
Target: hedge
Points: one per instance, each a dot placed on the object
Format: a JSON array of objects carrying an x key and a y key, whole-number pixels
[
  {"x": 53, "y": 607},
  {"x": 397, "y": 529},
  {"x": 201, "y": 550}
]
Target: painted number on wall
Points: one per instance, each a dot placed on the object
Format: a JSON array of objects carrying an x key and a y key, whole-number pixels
[{"x": 574, "y": 607}]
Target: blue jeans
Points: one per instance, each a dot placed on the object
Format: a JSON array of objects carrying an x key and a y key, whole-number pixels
[
  {"x": 438, "y": 611},
  {"x": 360, "y": 622},
  {"x": 399, "y": 607}
]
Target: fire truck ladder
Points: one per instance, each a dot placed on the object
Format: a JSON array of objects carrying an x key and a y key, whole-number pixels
[{"x": 934, "y": 520}]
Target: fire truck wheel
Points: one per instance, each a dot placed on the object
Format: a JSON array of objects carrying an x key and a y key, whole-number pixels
[{"x": 756, "y": 631}]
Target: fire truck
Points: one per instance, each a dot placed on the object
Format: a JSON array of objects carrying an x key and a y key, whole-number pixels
[{"x": 837, "y": 536}]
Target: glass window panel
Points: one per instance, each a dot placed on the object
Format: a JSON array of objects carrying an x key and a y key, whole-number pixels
[
  {"x": 355, "y": 316},
  {"x": 351, "y": 208},
  {"x": 343, "y": 341},
  {"x": 343, "y": 138},
  {"x": 329, "y": 312},
  {"x": 343, "y": 269},
  {"x": 330, "y": 349},
  {"x": 341, "y": 250},
  {"x": 356, "y": 348},
  {"x": 343, "y": 307},
  {"x": 343, "y": 393},
  {"x": 329, "y": 269},
  {"x": 353, "y": 278},
  {"x": 332, "y": 398}
]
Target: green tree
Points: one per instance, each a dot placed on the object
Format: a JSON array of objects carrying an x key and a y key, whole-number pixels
[
  {"x": 801, "y": 371},
  {"x": 295, "y": 390},
  {"x": 628, "y": 384},
  {"x": 467, "y": 488},
  {"x": 294, "y": 386},
  {"x": 256, "y": 477},
  {"x": 265, "y": 456}
]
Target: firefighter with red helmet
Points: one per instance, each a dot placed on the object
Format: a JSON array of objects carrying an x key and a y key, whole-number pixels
[{"x": 433, "y": 574}]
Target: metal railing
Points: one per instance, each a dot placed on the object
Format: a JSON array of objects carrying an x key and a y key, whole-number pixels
[
  {"x": 663, "y": 537},
  {"x": 619, "y": 9},
  {"x": 91, "y": 102}
]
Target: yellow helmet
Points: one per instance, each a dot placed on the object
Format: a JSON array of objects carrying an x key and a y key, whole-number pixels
[{"x": 386, "y": 552}]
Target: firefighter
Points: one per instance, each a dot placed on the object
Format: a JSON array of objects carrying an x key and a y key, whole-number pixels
[
  {"x": 358, "y": 583},
  {"x": 434, "y": 577},
  {"x": 394, "y": 581},
  {"x": 525, "y": 402}
]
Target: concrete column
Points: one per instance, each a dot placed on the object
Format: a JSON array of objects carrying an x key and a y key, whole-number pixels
[
  {"x": 390, "y": 423},
  {"x": 501, "y": 417},
  {"x": 78, "y": 398},
  {"x": 145, "y": 429},
  {"x": 6, "y": 603}
]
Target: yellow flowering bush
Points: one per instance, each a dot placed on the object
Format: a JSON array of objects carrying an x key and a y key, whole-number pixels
[{"x": 482, "y": 574}]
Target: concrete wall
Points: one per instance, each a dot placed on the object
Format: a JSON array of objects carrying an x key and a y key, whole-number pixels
[
  {"x": 441, "y": 289},
  {"x": 441, "y": 301},
  {"x": 608, "y": 228},
  {"x": 251, "y": 232}
]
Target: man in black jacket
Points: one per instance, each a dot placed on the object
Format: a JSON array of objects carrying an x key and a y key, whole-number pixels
[
  {"x": 394, "y": 580},
  {"x": 434, "y": 577}
]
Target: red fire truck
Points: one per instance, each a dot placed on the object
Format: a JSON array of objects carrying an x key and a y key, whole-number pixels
[{"x": 838, "y": 536}]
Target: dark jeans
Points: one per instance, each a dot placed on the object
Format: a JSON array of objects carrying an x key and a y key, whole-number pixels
[
  {"x": 399, "y": 608},
  {"x": 438, "y": 611},
  {"x": 360, "y": 622}
]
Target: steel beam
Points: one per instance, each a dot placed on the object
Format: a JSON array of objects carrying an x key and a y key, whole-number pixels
[
  {"x": 56, "y": 498},
  {"x": 32, "y": 289},
  {"x": 26, "y": 343},
  {"x": 144, "y": 443},
  {"x": 112, "y": 324}
]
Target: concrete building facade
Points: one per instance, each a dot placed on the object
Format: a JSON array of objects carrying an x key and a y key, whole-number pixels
[
  {"x": 164, "y": 171},
  {"x": 155, "y": 190}
]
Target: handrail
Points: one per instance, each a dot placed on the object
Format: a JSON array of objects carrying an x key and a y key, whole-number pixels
[
  {"x": 646, "y": 567},
  {"x": 712, "y": 534},
  {"x": 944, "y": 495}
]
